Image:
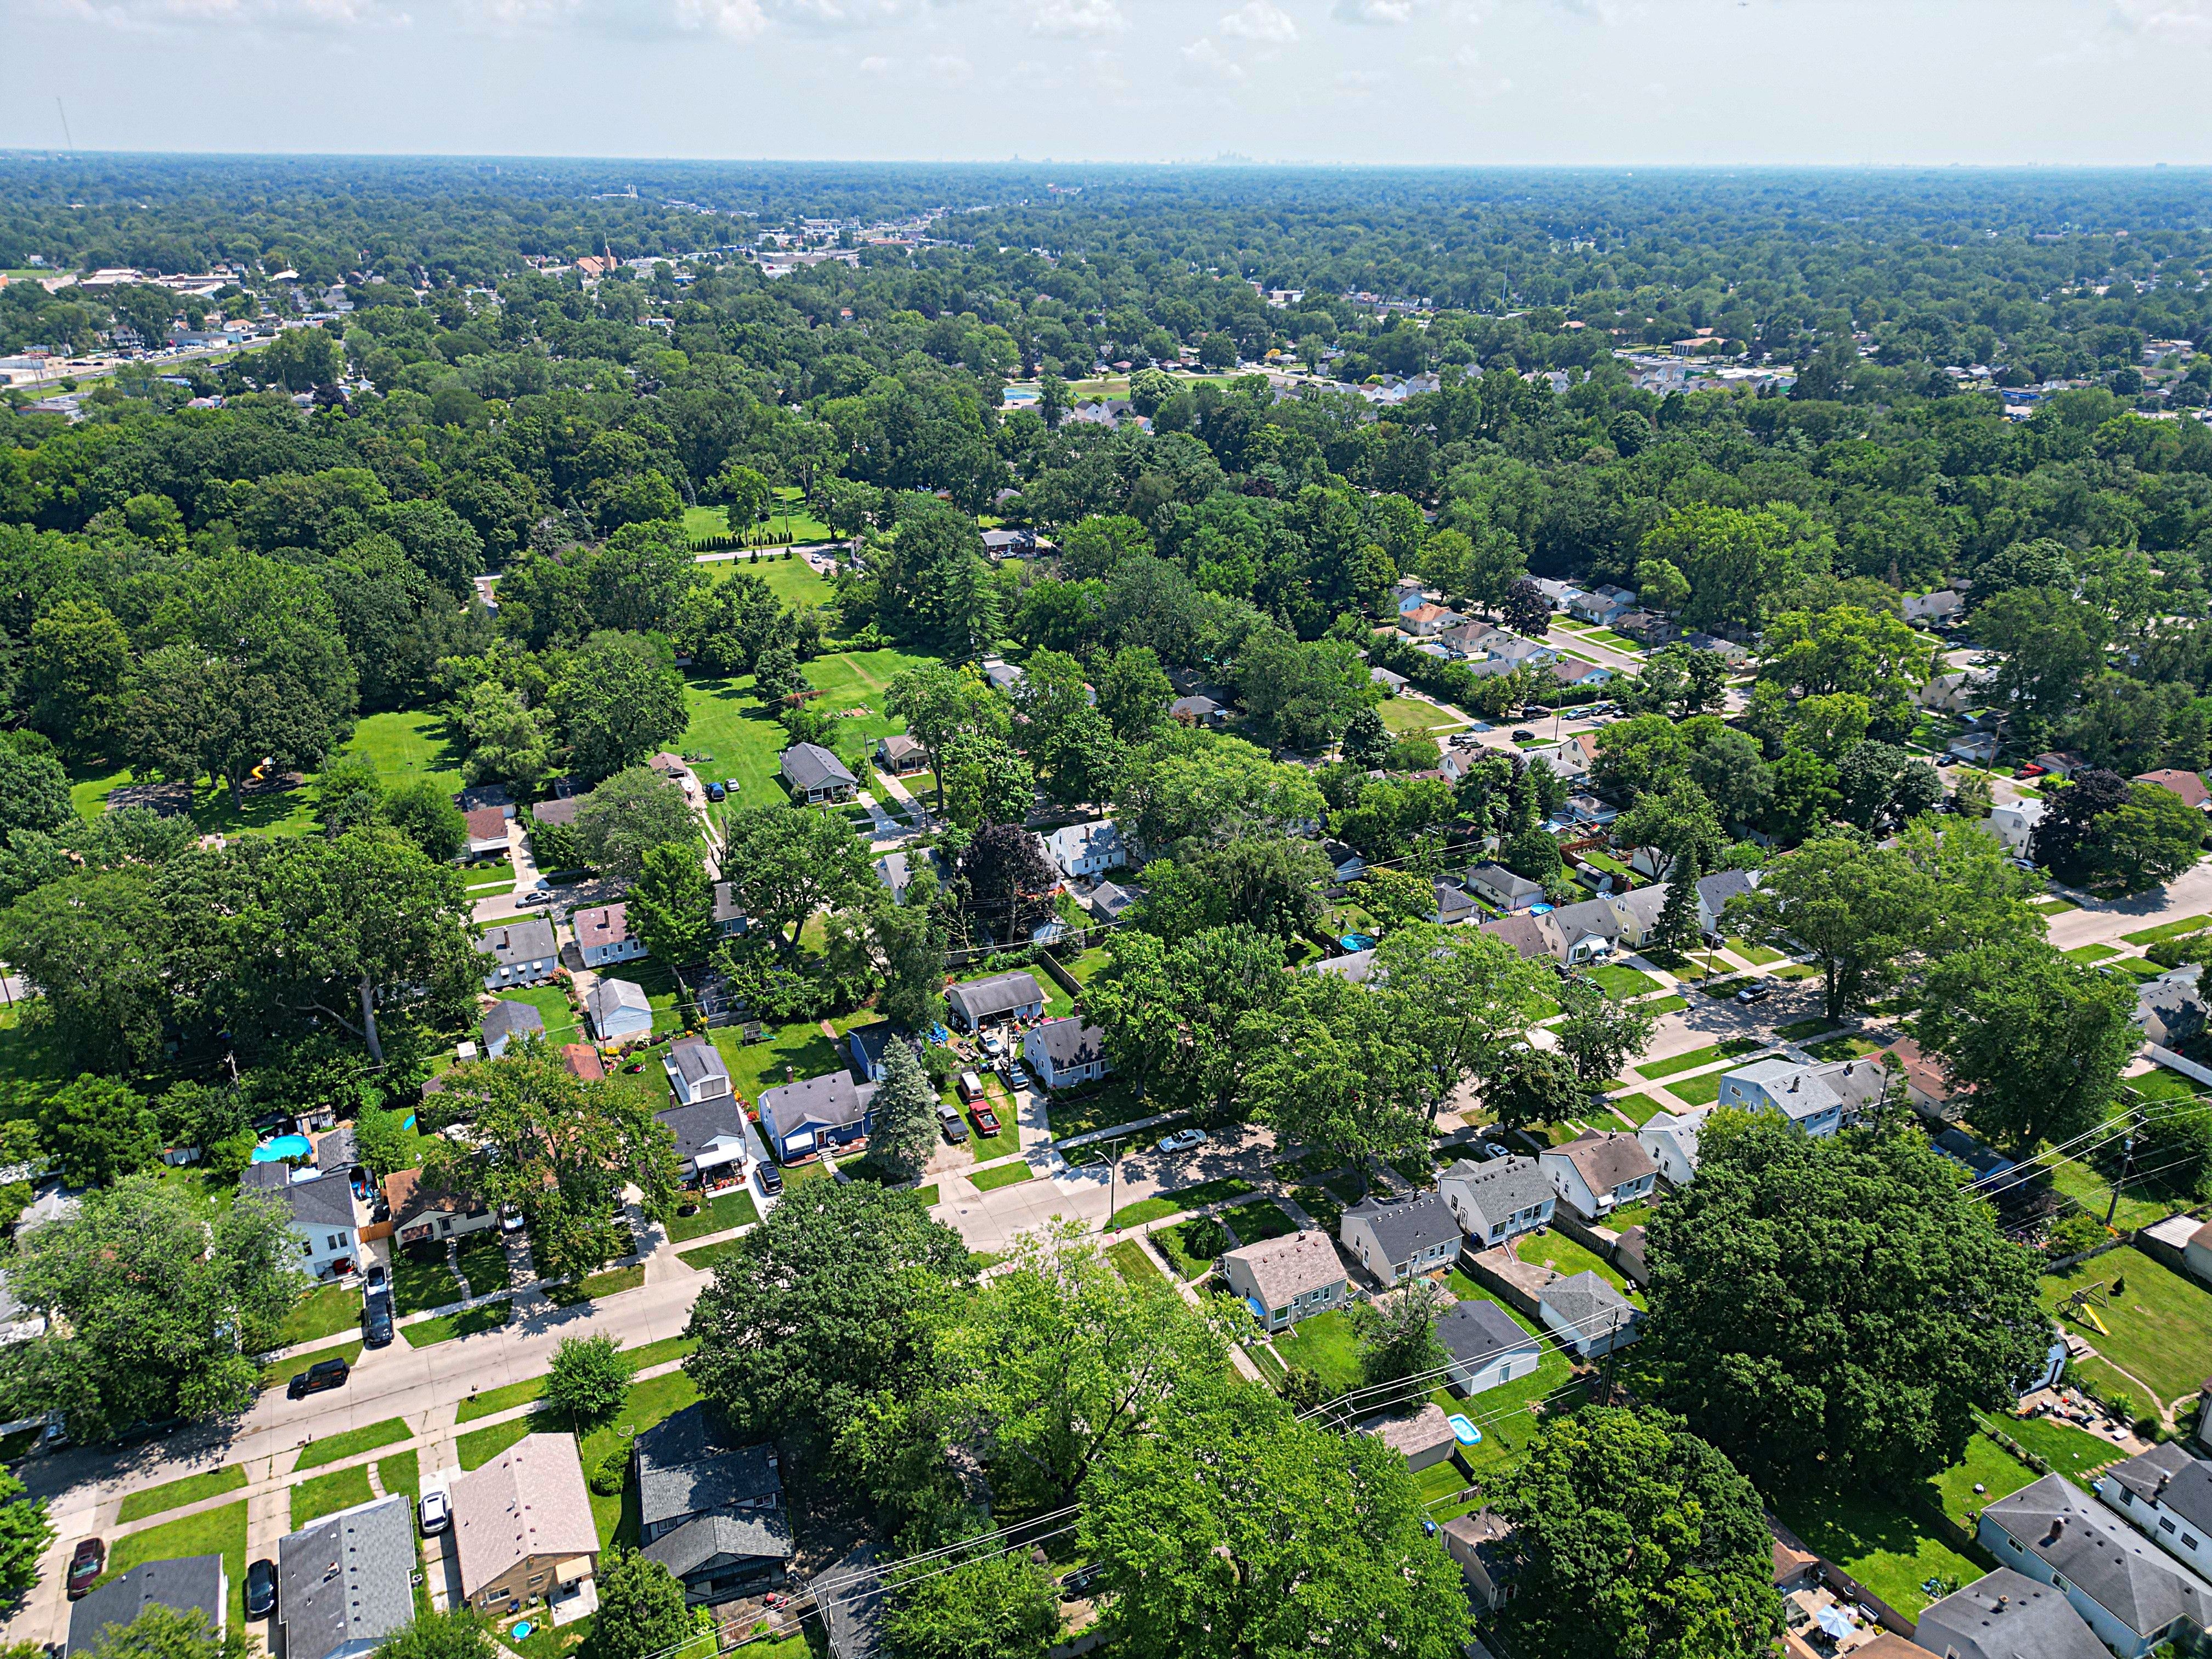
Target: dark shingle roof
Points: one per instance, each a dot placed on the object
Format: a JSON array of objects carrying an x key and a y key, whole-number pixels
[
  {"x": 513, "y": 1020},
  {"x": 697, "y": 1127},
  {"x": 194, "y": 1582},
  {"x": 1069, "y": 1042},
  {"x": 688, "y": 1464},
  {"x": 2008, "y": 1615},
  {"x": 810, "y": 766},
  {"x": 2108, "y": 1561},
  {"x": 1406, "y": 1229},
  {"x": 1502, "y": 1186},
  {"x": 518, "y": 942},
  {"x": 348, "y": 1578},
  {"x": 2171, "y": 1476},
  {"x": 832, "y": 1100},
  {"x": 1477, "y": 1332},
  {"x": 759, "y": 1533},
  {"x": 1587, "y": 1302},
  {"x": 999, "y": 993}
]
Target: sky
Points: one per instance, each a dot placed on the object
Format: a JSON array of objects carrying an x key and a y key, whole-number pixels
[{"x": 1356, "y": 82}]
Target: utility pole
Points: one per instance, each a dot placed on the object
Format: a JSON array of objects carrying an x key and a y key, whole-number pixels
[{"x": 2127, "y": 1158}]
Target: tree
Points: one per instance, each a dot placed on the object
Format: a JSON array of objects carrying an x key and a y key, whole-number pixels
[
  {"x": 561, "y": 1150},
  {"x": 1300, "y": 694},
  {"x": 2151, "y": 837},
  {"x": 830, "y": 1300},
  {"x": 745, "y": 497},
  {"x": 1002, "y": 1605},
  {"x": 1860, "y": 910},
  {"x": 96, "y": 946},
  {"x": 1676, "y": 929},
  {"x": 939, "y": 703},
  {"x": 383, "y": 1142},
  {"x": 1660, "y": 585},
  {"x": 1134, "y": 693},
  {"x": 1008, "y": 877},
  {"x": 1534, "y": 1085},
  {"x": 641, "y": 1608},
  {"x": 671, "y": 905},
  {"x": 795, "y": 863},
  {"x": 1329, "y": 1072},
  {"x": 1738, "y": 561},
  {"x": 2050, "y": 644},
  {"x": 101, "y": 1129},
  {"x": 983, "y": 780},
  {"x": 1174, "y": 1016},
  {"x": 1273, "y": 884},
  {"x": 589, "y": 1378},
  {"x": 157, "y": 1308},
  {"x": 1367, "y": 742},
  {"x": 1527, "y": 609},
  {"x": 1790, "y": 1317},
  {"x": 167, "y": 1633},
  {"x": 1598, "y": 1036},
  {"x": 1395, "y": 897},
  {"x": 1191, "y": 782},
  {"x": 1678, "y": 680},
  {"x": 617, "y": 702},
  {"x": 349, "y": 795},
  {"x": 79, "y": 658},
  {"x": 910, "y": 939},
  {"x": 1234, "y": 1530},
  {"x": 509, "y": 739},
  {"x": 1398, "y": 1343},
  {"x": 629, "y": 814},
  {"x": 1456, "y": 999},
  {"x": 427, "y": 815},
  {"x": 457, "y": 1633},
  {"x": 25, "y": 1532},
  {"x": 1844, "y": 649},
  {"x": 2039, "y": 1040},
  {"x": 905, "y": 1132},
  {"x": 1675, "y": 820},
  {"x": 1636, "y": 1541}
]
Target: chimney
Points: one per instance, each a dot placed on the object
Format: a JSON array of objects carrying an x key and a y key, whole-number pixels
[{"x": 2057, "y": 1527}]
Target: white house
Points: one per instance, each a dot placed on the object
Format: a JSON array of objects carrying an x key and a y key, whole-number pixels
[
  {"x": 2131, "y": 1594},
  {"x": 1497, "y": 1201},
  {"x": 1286, "y": 1279},
  {"x": 322, "y": 1216},
  {"x": 696, "y": 1070},
  {"x": 1402, "y": 1241},
  {"x": 2015, "y": 821},
  {"x": 1671, "y": 1138},
  {"x": 1818, "y": 1099},
  {"x": 1086, "y": 849},
  {"x": 1508, "y": 892},
  {"x": 2167, "y": 1494},
  {"x": 603, "y": 935},
  {"x": 1064, "y": 1053},
  {"x": 1956, "y": 692},
  {"x": 1940, "y": 609},
  {"x": 1976, "y": 748},
  {"x": 619, "y": 1011},
  {"x": 519, "y": 953},
  {"x": 1599, "y": 1170},
  {"x": 1587, "y": 1315},
  {"x": 1487, "y": 1345},
  {"x": 1714, "y": 892}
]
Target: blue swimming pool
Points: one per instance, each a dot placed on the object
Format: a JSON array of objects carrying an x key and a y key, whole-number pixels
[
  {"x": 283, "y": 1146},
  {"x": 1358, "y": 941},
  {"x": 1463, "y": 1430}
]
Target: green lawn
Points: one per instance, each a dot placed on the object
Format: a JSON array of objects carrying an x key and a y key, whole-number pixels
[
  {"x": 1620, "y": 981},
  {"x": 483, "y": 1262},
  {"x": 2091, "y": 952},
  {"x": 1321, "y": 1204},
  {"x": 323, "y": 1312},
  {"x": 2070, "y": 1451},
  {"x": 561, "y": 1022},
  {"x": 1325, "y": 1346},
  {"x": 1798, "y": 1029},
  {"x": 1562, "y": 1255},
  {"x": 1190, "y": 1248},
  {"x": 421, "y": 1281},
  {"x": 2160, "y": 1323},
  {"x": 212, "y": 1532},
  {"x": 2166, "y": 930},
  {"x": 1504, "y": 1413},
  {"x": 1843, "y": 1047},
  {"x": 1167, "y": 1204},
  {"x": 1086, "y": 966},
  {"x": 1102, "y": 1107},
  {"x": 401, "y": 1472},
  {"x": 1002, "y": 1175},
  {"x": 1697, "y": 1091},
  {"x": 1996, "y": 1471},
  {"x": 758, "y": 1066},
  {"x": 352, "y": 1444},
  {"x": 1672, "y": 1004},
  {"x": 718, "y": 1214},
  {"x": 327, "y": 1494},
  {"x": 1262, "y": 1218},
  {"x": 1636, "y": 1109},
  {"x": 2141, "y": 1202},
  {"x": 646, "y": 1404},
  {"x": 1878, "y": 1543},
  {"x": 175, "y": 1495},
  {"x": 278, "y": 1373},
  {"x": 1696, "y": 1057},
  {"x": 2053, "y": 905},
  {"x": 742, "y": 739},
  {"x": 612, "y": 1282},
  {"x": 492, "y": 1401},
  {"x": 422, "y": 1333},
  {"x": 1129, "y": 1256},
  {"x": 1008, "y": 1140},
  {"x": 479, "y": 1446},
  {"x": 1757, "y": 955}
]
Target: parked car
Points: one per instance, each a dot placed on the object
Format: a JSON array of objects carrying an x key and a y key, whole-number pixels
[
  {"x": 318, "y": 1378},
  {"x": 87, "y": 1562},
  {"x": 437, "y": 1514},
  {"x": 1947, "y": 760},
  {"x": 510, "y": 1218},
  {"x": 770, "y": 1178},
  {"x": 376, "y": 1320},
  {"x": 730, "y": 784},
  {"x": 1752, "y": 993},
  {"x": 533, "y": 898},
  {"x": 1524, "y": 737},
  {"x": 716, "y": 791},
  {"x": 972, "y": 1086},
  {"x": 261, "y": 1588},
  {"x": 987, "y": 1120},
  {"x": 1183, "y": 1140},
  {"x": 2030, "y": 770},
  {"x": 948, "y": 1118},
  {"x": 374, "y": 1276},
  {"x": 1077, "y": 1585}
]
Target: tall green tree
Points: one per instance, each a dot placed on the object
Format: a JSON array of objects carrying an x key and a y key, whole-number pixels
[
  {"x": 641, "y": 1608},
  {"x": 588, "y": 1379},
  {"x": 1000, "y": 1605},
  {"x": 905, "y": 1133},
  {"x": 1860, "y": 911},
  {"x": 672, "y": 904},
  {"x": 1600, "y": 1035},
  {"x": 617, "y": 702},
  {"x": 795, "y": 862},
  {"x": 1328, "y": 1071},
  {"x": 621, "y": 822}
]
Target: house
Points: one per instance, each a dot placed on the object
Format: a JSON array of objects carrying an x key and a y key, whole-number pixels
[
  {"x": 581, "y": 1061},
  {"x": 900, "y": 754},
  {"x": 1976, "y": 748},
  {"x": 1426, "y": 619},
  {"x": 1197, "y": 711},
  {"x": 696, "y": 1070},
  {"x": 2132, "y": 1595},
  {"x": 2188, "y": 786},
  {"x": 1354, "y": 965},
  {"x": 1014, "y": 995},
  {"x": 522, "y": 1524},
  {"x": 800, "y": 1119},
  {"x": 815, "y": 775},
  {"x": 2167, "y": 1495},
  {"x": 1956, "y": 693},
  {"x": 709, "y": 1136},
  {"x": 1400, "y": 1241},
  {"x": 603, "y": 935},
  {"x": 1983, "y": 1163},
  {"x": 1286, "y": 1279},
  {"x": 1671, "y": 1139},
  {"x": 1482, "y": 1545},
  {"x": 868, "y": 1046},
  {"x": 2062, "y": 762},
  {"x": 1064, "y": 1053},
  {"x": 521, "y": 953},
  {"x": 2014, "y": 824},
  {"x": 559, "y": 812},
  {"x": 487, "y": 832},
  {"x": 1816, "y": 1098},
  {"x": 2197, "y": 1252},
  {"x": 2005, "y": 1615},
  {"x": 729, "y": 912},
  {"x": 1535, "y": 939},
  {"x": 1391, "y": 683},
  {"x": 193, "y": 1581},
  {"x": 1926, "y": 1086},
  {"x": 1502, "y": 888},
  {"x": 1941, "y": 608},
  {"x": 346, "y": 1582},
  {"x": 322, "y": 1216},
  {"x": 1087, "y": 850},
  {"x": 710, "y": 1510},
  {"x": 1588, "y": 931},
  {"x": 1497, "y": 1201},
  {"x": 852, "y": 1602},
  {"x": 1455, "y": 904},
  {"x": 1735, "y": 656},
  {"x": 1001, "y": 675},
  {"x": 896, "y": 870},
  {"x": 1599, "y": 1170},
  {"x": 619, "y": 1011},
  {"x": 509, "y": 1022},
  {"x": 1714, "y": 892},
  {"x": 1486, "y": 1344},
  {"x": 1423, "y": 1437},
  {"x": 2170, "y": 1009},
  {"x": 1639, "y": 910},
  {"x": 1110, "y": 902},
  {"x": 1587, "y": 1315},
  {"x": 1573, "y": 670},
  {"x": 424, "y": 1211},
  {"x": 1604, "y": 605}
]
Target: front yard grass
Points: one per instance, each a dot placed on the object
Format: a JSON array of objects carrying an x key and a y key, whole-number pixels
[
  {"x": 2161, "y": 1323},
  {"x": 1757, "y": 955},
  {"x": 1697, "y": 1091},
  {"x": 2053, "y": 905},
  {"x": 324, "y": 1312},
  {"x": 212, "y": 1532},
  {"x": 425, "y": 1332},
  {"x": 1190, "y": 1248},
  {"x": 421, "y": 1281},
  {"x": 175, "y": 1494},
  {"x": 482, "y": 1261},
  {"x": 479, "y": 1446},
  {"x": 1639, "y": 1109},
  {"x": 327, "y": 1494},
  {"x": 1875, "y": 1540},
  {"x": 1321, "y": 1204},
  {"x": 401, "y": 1472},
  {"x": 1002, "y": 1175},
  {"x": 1325, "y": 1346},
  {"x": 717, "y": 1215},
  {"x": 1262, "y": 1218},
  {"x": 2090, "y": 952},
  {"x": 279, "y": 1372},
  {"x": 1843, "y": 1047},
  {"x": 1709, "y": 1055},
  {"x": 1620, "y": 981},
  {"x": 1108, "y": 1105},
  {"x": 2166, "y": 930},
  {"x": 1129, "y": 1256},
  {"x": 646, "y": 1404},
  {"x": 353, "y": 1442},
  {"x": 1167, "y": 1204}
]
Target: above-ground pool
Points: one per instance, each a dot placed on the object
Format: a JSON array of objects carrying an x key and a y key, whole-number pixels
[
  {"x": 1463, "y": 1430},
  {"x": 283, "y": 1146},
  {"x": 1358, "y": 941},
  {"x": 521, "y": 1632}
]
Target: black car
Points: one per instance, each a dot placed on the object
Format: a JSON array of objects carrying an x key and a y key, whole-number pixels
[
  {"x": 324, "y": 1375},
  {"x": 261, "y": 1588},
  {"x": 376, "y": 1320},
  {"x": 374, "y": 1277},
  {"x": 1077, "y": 1585},
  {"x": 771, "y": 1178}
]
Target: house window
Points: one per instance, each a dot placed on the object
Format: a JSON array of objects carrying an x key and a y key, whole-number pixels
[
  {"x": 2126, "y": 1496},
  {"x": 2165, "y": 1525},
  {"x": 2187, "y": 1543}
]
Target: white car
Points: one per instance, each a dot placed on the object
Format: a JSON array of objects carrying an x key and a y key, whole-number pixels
[
  {"x": 1183, "y": 1140},
  {"x": 437, "y": 1513}
]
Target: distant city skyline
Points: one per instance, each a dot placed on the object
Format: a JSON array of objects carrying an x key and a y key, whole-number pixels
[{"x": 1635, "y": 82}]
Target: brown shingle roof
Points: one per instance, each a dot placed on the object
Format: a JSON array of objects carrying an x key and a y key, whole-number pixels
[
  {"x": 1606, "y": 1158},
  {"x": 1290, "y": 1266}
]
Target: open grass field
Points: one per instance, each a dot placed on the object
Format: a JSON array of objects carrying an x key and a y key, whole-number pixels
[
  {"x": 212, "y": 1532},
  {"x": 732, "y": 726},
  {"x": 333, "y": 1449},
  {"x": 1877, "y": 1542},
  {"x": 192, "y": 1489},
  {"x": 2160, "y": 1323},
  {"x": 1986, "y": 1464},
  {"x": 716, "y": 1215},
  {"x": 1620, "y": 983},
  {"x": 1711, "y": 1055}
]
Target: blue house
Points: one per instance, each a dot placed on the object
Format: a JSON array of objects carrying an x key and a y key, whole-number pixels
[
  {"x": 800, "y": 1120},
  {"x": 867, "y": 1045}
]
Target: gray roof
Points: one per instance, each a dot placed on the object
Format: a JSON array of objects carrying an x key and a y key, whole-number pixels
[
  {"x": 2108, "y": 1561},
  {"x": 1409, "y": 1434},
  {"x": 728, "y": 907},
  {"x": 325, "y": 1201},
  {"x": 1476, "y": 1332},
  {"x": 511, "y": 1019},
  {"x": 1405, "y": 1229},
  {"x": 832, "y": 1100},
  {"x": 1001, "y": 993},
  {"x": 2171, "y": 1476},
  {"x": 1717, "y": 888},
  {"x": 697, "y": 1127},
  {"x": 560, "y": 810},
  {"x": 850, "y": 1598},
  {"x": 517, "y": 942},
  {"x": 608, "y": 996},
  {"x": 1454, "y": 903},
  {"x": 1497, "y": 878},
  {"x": 696, "y": 1060},
  {"x": 1801, "y": 1091},
  {"x": 1644, "y": 903},
  {"x": 688, "y": 1464},
  {"x": 1354, "y": 965},
  {"x": 1586, "y": 1302},
  {"x": 339, "y": 1150},
  {"x": 1502, "y": 1186},
  {"x": 1595, "y": 915},
  {"x": 1290, "y": 1266},
  {"x": 1534, "y": 938},
  {"x": 197, "y": 1581},
  {"x": 896, "y": 870},
  {"x": 2008, "y": 1615},
  {"x": 348, "y": 1578},
  {"x": 1069, "y": 1041},
  {"x": 810, "y": 766},
  {"x": 754, "y": 1533},
  {"x": 1607, "y": 1158}
]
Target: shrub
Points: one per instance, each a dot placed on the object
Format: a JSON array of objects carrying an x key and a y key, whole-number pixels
[{"x": 614, "y": 1469}]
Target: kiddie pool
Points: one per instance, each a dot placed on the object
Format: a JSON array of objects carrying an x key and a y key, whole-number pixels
[
  {"x": 283, "y": 1146},
  {"x": 521, "y": 1632},
  {"x": 1463, "y": 1430},
  {"x": 1358, "y": 941}
]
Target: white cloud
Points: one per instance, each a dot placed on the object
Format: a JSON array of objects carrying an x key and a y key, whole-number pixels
[
  {"x": 740, "y": 19},
  {"x": 1077, "y": 19},
  {"x": 284, "y": 16},
  {"x": 1206, "y": 65},
  {"x": 1467, "y": 58},
  {"x": 878, "y": 64},
  {"x": 949, "y": 66},
  {"x": 1358, "y": 83},
  {"x": 1259, "y": 19},
  {"x": 1382, "y": 12},
  {"x": 2175, "y": 23}
]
